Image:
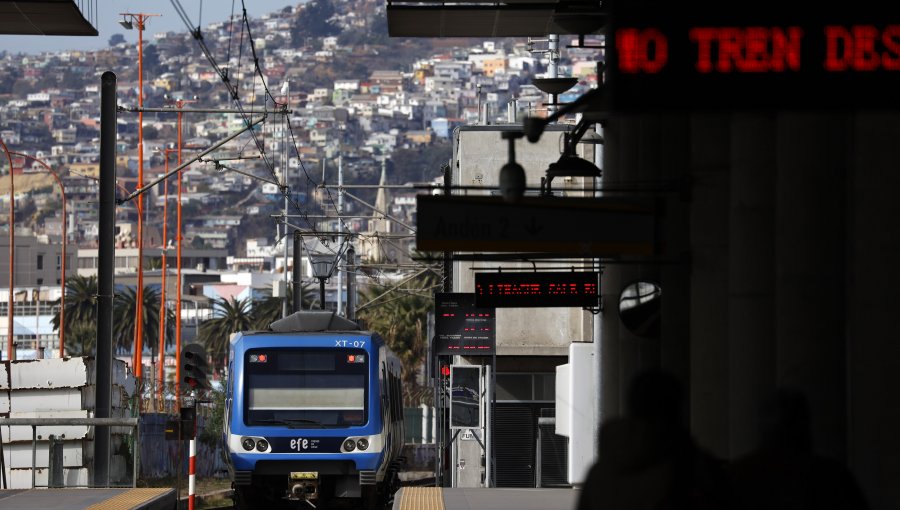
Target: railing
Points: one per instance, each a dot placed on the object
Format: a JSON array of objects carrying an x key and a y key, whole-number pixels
[{"x": 34, "y": 423}]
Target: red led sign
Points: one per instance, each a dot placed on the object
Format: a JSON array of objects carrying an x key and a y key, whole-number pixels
[
  {"x": 544, "y": 289},
  {"x": 669, "y": 59},
  {"x": 462, "y": 327}
]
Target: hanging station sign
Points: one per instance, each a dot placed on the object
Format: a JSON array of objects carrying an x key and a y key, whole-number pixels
[
  {"x": 538, "y": 289},
  {"x": 664, "y": 57}
]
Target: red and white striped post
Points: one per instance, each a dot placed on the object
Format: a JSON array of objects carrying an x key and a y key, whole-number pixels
[{"x": 192, "y": 465}]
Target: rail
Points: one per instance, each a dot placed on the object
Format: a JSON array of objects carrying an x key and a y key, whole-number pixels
[{"x": 34, "y": 423}]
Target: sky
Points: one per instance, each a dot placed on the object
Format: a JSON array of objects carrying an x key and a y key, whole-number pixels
[{"x": 169, "y": 20}]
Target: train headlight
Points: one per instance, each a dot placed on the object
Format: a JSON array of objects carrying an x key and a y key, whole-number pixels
[
  {"x": 349, "y": 445},
  {"x": 248, "y": 443},
  {"x": 363, "y": 443},
  {"x": 262, "y": 445}
]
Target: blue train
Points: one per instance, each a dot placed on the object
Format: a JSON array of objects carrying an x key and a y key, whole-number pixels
[{"x": 314, "y": 414}]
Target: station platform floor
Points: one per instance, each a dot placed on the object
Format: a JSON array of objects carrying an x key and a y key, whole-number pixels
[
  {"x": 88, "y": 499},
  {"x": 458, "y": 498}
]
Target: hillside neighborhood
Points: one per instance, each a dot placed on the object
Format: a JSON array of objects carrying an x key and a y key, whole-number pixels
[{"x": 358, "y": 104}]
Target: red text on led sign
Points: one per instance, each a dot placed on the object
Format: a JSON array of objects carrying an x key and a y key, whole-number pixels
[{"x": 721, "y": 50}]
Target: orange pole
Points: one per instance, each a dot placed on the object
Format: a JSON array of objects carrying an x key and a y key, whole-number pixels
[
  {"x": 160, "y": 369},
  {"x": 65, "y": 238},
  {"x": 139, "y": 306},
  {"x": 10, "y": 348},
  {"x": 178, "y": 285}
]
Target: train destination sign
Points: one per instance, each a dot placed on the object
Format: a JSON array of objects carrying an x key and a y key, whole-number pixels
[
  {"x": 461, "y": 327},
  {"x": 577, "y": 226},
  {"x": 537, "y": 289},
  {"x": 810, "y": 59}
]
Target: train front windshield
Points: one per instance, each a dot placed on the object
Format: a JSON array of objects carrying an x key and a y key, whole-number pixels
[{"x": 306, "y": 388}]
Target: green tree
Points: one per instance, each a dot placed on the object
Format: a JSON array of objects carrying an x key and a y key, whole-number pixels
[
  {"x": 124, "y": 309},
  {"x": 268, "y": 309},
  {"x": 229, "y": 316},
  {"x": 400, "y": 316},
  {"x": 81, "y": 315}
]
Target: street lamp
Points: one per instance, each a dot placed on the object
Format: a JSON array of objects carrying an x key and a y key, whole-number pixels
[
  {"x": 127, "y": 22},
  {"x": 10, "y": 347},
  {"x": 65, "y": 240},
  {"x": 322, "y": 265}
]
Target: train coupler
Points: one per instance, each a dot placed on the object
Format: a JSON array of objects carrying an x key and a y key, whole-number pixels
[{"x": 304, "y": 486}]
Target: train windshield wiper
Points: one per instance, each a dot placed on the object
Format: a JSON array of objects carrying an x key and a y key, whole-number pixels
[{"x": 292, "y": 422}]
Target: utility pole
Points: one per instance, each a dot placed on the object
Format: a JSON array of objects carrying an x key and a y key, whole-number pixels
[
  {"x": 65, "y": 240},
  {"x": 351, "y": 283},
  {"x": 553, "y": 71},
  {"x": 106, "y": 263},
  {"x": 340, "y": 226},
  {"x": 285, "y": 189},
  {"x": 128, "y": 20},
  {"x": 10, "y": 345},
  {"x": 298, "y": 271}
]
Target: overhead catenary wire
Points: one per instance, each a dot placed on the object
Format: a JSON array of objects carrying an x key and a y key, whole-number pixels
[{"x": 235, "y": 96}]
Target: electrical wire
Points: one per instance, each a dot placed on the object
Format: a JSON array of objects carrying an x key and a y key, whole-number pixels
[{"x": 235, "y": 96}]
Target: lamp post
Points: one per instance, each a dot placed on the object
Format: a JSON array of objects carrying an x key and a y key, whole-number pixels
[
  {"x": 127, "y": 22},
  {"x": 322, "y": 265},
  {"x": 65, "y": 240},
  {"x": 10, "y": 348}
]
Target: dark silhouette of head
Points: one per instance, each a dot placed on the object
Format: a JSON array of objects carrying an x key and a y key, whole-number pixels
[{"x": 655, "y": 396}]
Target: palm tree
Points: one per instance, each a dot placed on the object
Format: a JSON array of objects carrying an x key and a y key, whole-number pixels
[
  {"x": 123, "y": 324},
  {"x": 400, "y": 317},
  {"x": 81, "y": 315},
  {"x": 230, "y": 316},
  {"x": 268, "y": 309}
]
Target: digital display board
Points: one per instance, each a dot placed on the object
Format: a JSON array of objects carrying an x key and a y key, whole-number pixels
[
  {"x": 461, "y": 327},
  {"x": 538, "y": 289},
  {"x": 670, "y": 56}
]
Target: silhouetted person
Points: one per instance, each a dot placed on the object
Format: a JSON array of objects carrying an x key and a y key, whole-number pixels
[
  {"x": 648, "y": 460},
  {"x": 783, "y": 472}
]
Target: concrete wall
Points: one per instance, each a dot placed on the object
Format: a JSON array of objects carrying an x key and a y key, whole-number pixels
[{"x": 60, "y": 388}]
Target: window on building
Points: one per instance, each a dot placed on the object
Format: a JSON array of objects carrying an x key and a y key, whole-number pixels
[{"x": 40, "y": 262}]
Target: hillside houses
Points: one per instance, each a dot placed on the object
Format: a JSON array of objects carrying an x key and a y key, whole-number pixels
[{"x": 343, "y": 100}]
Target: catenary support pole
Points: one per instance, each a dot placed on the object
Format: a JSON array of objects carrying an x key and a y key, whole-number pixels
[
  {"x": 106, "y": 257},
  {"x": 351, "y": 283},
  {"x": 298, "y": 270}
]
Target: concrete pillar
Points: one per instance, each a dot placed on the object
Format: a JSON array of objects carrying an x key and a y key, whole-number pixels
[
  {"x": 607, "y": 352},
  {"x": 873, "y": 277},
  {"x": 709, "y": 280},
  {"x": 674, "y": 273},
  {"x": 751, "y": 299},
  {"x": 812, "y": 158}
]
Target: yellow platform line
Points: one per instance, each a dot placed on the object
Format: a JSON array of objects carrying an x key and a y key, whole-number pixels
[
  {"x": 128, "y": 500},
  {"x": 422, "y": 498}
]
